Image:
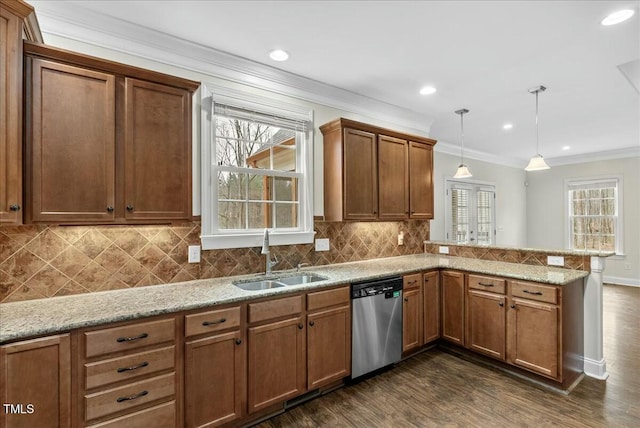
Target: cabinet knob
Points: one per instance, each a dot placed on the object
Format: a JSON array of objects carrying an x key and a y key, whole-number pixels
[
  {"x": 406, "y": 299},
  {"x": 300, "y": 326},
  {"x": 501, "y": 304},
  {"x": 513, "y": 306},
  {"x": 110, "y": 209},
  {"x": 238, "y": 341},
  {"x": 312, "y": 323},
  {"x": 129, "y": 207},
  {"x": 14, "y": 207}
]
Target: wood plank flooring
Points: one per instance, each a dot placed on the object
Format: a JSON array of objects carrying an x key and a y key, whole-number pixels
[{"x": 437, "y": 389}]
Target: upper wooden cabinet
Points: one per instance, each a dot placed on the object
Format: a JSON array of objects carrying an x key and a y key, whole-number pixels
[
  {"x": 17, "y": 21},
  {"x": 105, "y": 142},
  {"x": 372, "y": 173}
]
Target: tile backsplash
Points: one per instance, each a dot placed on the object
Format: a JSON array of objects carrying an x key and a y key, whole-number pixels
[{"x": 38, "y": 261}]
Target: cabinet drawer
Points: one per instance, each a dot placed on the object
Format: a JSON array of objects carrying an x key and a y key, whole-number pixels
[
  {"x": 275, "y": 308},
  {"x": 162, "y": 416},
  {"x": 487, "y": 283},
  {"x": 209, "y": 321},
  {"x": 531, "y": 291},
  {"x": 412, "y": 281},
  {"x": 128, "y": 367},
  {"x": 125, "y": 397},
  {"x": 324, "y": 299},
  {"x": 129, "y": 337}
]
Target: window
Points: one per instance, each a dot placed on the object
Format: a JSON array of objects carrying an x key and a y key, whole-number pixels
[
  {"x": 594, "y": 220},
  {"x": 257, "y": 163},
  {"x": 470, "y": 212}
]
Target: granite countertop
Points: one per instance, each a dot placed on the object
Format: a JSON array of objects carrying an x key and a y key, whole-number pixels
[
  {"x": 551, "y": 251},
  {"x": 20, "y": 320}
]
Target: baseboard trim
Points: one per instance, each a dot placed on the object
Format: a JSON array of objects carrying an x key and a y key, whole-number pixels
[
  {"x": 596, "y": 369},
  {"x": 630, "y": 282}
]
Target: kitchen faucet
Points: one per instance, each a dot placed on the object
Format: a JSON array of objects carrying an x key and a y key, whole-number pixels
[{"x": 266, "y": 251}]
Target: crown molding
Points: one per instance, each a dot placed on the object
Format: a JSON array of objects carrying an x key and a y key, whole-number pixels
[
  {"x": 454, "y": 150},
  {"x": 627, "y": 152},
  {"x": 77, "y": 23}
]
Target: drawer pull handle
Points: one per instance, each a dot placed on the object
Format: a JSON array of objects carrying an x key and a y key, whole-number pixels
[
  {"x": 220, "y": 321},
  {"x": 486, "y": 285},
  {"x": 132, "y": 397},
  {"x": 138, "y": 366},
  {"x": 412, "y": 282},
  {"x": 535, "y": 293},
  {"x": 131, "y": 339}
]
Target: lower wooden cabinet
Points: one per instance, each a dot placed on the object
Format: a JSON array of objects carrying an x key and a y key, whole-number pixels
[
  {"x": 215, "y": 376},
  {"x": 328, "y": 336},
  {"x": 486, "y": 322},
  {"x": 431, "y": 306},
  {"x": 412, "y": 312},
  {"x": 277, "y": 362},
  {"x": 453, "y": 301},
  {"x": 35, "y": 381}
]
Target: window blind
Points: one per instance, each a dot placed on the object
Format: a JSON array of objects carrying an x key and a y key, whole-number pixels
[{"x": 234, "y": 112}]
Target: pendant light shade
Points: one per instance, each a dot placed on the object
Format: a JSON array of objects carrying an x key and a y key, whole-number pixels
[
  {"x": 463, "y": 171},
  {"x": 537, "y": 162}
]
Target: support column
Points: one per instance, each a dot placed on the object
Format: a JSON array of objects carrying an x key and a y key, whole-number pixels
[{"x": 594, "y": 362}]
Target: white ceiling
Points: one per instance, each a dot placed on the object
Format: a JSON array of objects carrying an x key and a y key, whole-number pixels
[{"x": 480, "y": 55}]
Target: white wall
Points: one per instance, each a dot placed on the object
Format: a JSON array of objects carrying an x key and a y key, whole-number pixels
[
  {"x": 546, "y": 222},
  {"x": 511, "y": 214}
]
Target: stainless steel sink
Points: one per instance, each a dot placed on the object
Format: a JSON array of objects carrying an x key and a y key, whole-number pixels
[
  {"x": 259, "y": 285},
  {"x": 301, "y": 279},
  {"x": 266, "y": 284}
]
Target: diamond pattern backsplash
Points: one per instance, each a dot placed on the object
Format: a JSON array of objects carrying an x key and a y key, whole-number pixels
[{"x": 39, "y": 261}]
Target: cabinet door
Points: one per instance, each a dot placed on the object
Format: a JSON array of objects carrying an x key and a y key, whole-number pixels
[
  {"x": 360, "y": 175},
  {"x": 431, "y": 306},
  {"x": 486, "y": 323},
  {"x": 533, "y": 336},
  {"x": 328, "y": 346},
  {"x": 277, "y": 362},
  {"x": 411, "y": 319},
  {"x": 157, "y": 160},
  {"x": 215, "y": 373},
  {"x": 453, "y": 307},
  {"x": 420, "y": 180},
  {"x": 11, "y": 118},
  {"x": 36, "y": 381},
  {"x": 70, "y": 143},
  {"x": 393, "y": 178}
]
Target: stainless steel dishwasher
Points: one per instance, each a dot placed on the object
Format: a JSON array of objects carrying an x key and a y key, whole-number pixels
[{"x": 377, "y": 324}]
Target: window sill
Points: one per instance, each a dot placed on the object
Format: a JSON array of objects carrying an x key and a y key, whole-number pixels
[{"x": 219, "y": 242}]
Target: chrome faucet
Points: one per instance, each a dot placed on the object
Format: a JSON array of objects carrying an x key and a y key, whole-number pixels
[{"x": 265, "y": 250}]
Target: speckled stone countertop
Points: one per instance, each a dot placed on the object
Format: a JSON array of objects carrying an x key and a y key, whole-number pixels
[
  {"x": 551, "y": 251},
  {"x": 59, "y": 314}
]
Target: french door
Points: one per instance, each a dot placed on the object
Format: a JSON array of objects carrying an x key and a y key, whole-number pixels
[{"x": 470, "y": 213}]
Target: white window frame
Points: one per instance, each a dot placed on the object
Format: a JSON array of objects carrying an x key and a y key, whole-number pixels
[
  {"x": 211, "y": 237},
  {"x": 619, "y": 235},
  {"x": 475, "y": 186}
]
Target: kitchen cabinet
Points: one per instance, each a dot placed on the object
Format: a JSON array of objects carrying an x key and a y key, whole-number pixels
[
  {"x": 17, "y": 21},
  {"x": 412, "y": 312},
  {"x": 36, "y": 382},
  {"x": 420, "y": 180},
  {"x": 106, "y": 143},
  {"x": 393, "y": 176},
  {"x": 486, "y": 315},
  {"x": 372, "y": 173},
  {"x": 453, "y": 304},
  {"x": 215, "y": 368},
  {"x": 127, "y": 373},
  {"x": 328, "y": 336},
  {"x": 431, "y": 306},
  {"x": 276, "y": 352}
]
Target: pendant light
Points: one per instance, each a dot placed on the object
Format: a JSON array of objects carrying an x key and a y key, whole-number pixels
[
  {"x": 537, "y": 163},
  {"x": 463, "y": 171}
]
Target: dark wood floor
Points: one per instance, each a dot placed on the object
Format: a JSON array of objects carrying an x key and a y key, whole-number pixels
[{"x": 437, "y": 389}]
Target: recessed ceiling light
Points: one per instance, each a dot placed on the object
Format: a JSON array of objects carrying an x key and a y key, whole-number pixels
[
  {"x": 278, "y": 55},
  {"x": 427, "y": 90},
  {"x": 617, "y": 17},
  {"x": 507, "y": 126},
  {"x": 566, "y": 147}
]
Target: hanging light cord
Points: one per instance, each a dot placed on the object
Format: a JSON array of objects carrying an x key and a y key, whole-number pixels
[
  {"x": 462, "y": 138},
  {"x": 537, "y": 128}
]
